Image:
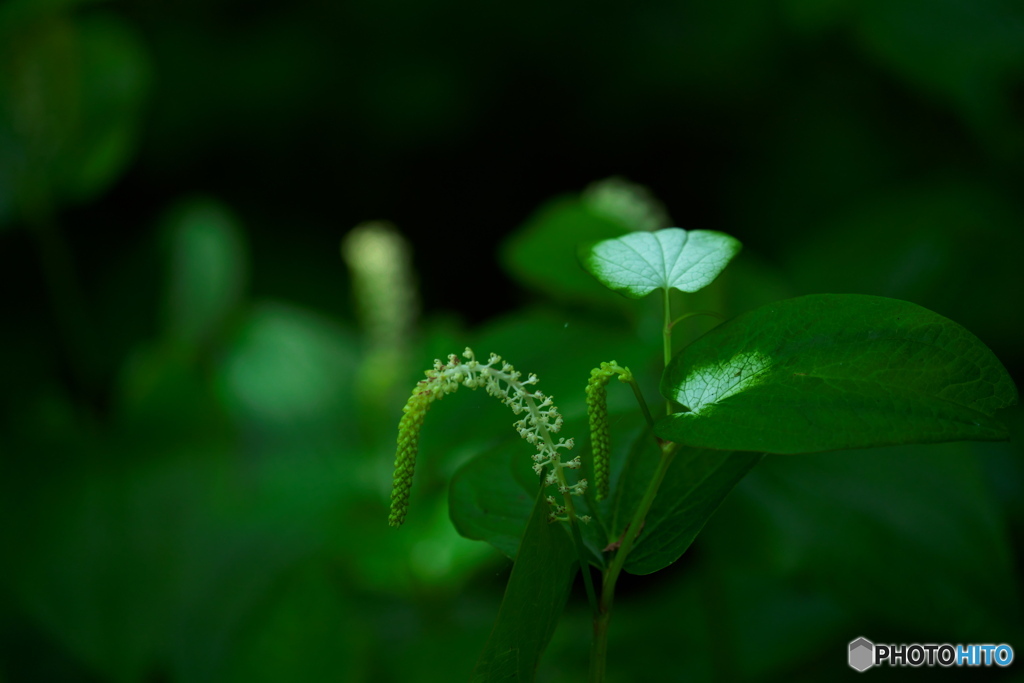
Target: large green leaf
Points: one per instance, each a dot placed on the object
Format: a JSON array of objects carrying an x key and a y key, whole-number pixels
[
  {"x": 534, "y": 600},
  {"x": 488, "y": 501},
  {"x": 832, "y": 371},
  {"x": 638, "y": 263},
  {"x": 695, "y": 485}
]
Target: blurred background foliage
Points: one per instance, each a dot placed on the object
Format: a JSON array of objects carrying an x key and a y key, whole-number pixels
[{"x": 199, "y": 392}]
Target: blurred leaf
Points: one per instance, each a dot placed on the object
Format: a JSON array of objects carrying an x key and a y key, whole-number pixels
[
  {"x": 300, "y": 629},
  {"x": 534, "y": 600},
  {"x": 104, "y": 555},
  {"x": 750, "y": 602},
  {"x": 288, "y": 366},
  {"x": 637, "y": 264},
  {"x": 162, "y": 395},
  {"x": 950, "y": 245},
  {"x": 71, "y": 92},
  {"x": 38, "y": 102},
  {"x": 969, "y": 53},
  {"x": 909, "y": 535},
  {"x": 207, "y": 271},
  {"x": 627, "y": 203},
  {"x": 828, "y": 371},
  {"x": 696, "y": 483},
  {"x": 542, "y": 253},
  {"x": 115, "y": 80}
]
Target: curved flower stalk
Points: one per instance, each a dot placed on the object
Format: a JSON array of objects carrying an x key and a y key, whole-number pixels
[
  {"x": 502, "y": 381},
  {"x": 597, "y": 412}
]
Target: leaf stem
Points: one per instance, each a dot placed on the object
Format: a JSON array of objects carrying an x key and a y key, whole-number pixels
[{"x": 643, "y": 403}]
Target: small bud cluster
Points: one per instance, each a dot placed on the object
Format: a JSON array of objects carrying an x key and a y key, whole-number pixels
[
  {"x": 597, "y": 411},
  {"x": 499, "y": 379}
]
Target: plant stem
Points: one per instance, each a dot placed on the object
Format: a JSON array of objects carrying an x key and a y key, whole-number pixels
[
  {"x": 588, "y": 581},
  {"x": 691, "y": 314},
  {"x": 599, "y": 646},
  {"x": 643, "y": 403},
  {"x": 666, "y": 330},
  {"x": 666, "y": 339},
  {"x": 603, "y": 615}
]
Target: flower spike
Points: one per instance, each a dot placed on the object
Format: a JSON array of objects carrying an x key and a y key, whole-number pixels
[
  {"x": 597, "y": 411},
  {"x": 500, "y": 379}
]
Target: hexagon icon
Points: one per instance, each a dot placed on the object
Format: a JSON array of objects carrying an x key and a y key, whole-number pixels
[{"x": 862, "y": 654}]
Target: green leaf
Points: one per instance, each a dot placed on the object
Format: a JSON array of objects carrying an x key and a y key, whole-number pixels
[
  {"x": 541, "y": 254},
  {"x": 115, "y": 82},
  {"x": 490, "y": 497},
  {"x": 287, "y": 371},
  {"x": 636, "y": 264},
  {"x": 628, "y": 203},
  {"x": 832, "y": 371},
  {"x": 695, "y": 485},
  {"x": 292, "y": 631},
  {"x": 534, "y": 600}
]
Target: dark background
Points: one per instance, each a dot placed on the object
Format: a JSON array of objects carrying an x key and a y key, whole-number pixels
[{"x": 195, "y": 466}]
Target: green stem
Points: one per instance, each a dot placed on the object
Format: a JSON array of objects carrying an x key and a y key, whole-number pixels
[
  {"x": 588, "y": 581},
  {"x": 666, "y": 339},
  {"x": 643, "y": 403},
  {"x": 599, "y": 646},
  {"x": 691, "y": 314},
  {"x": 602, "y": 617},
  {"x": 666, "y": 330}
]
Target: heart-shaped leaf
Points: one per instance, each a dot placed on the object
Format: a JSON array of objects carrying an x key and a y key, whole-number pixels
[
  {"x": 638, "y": 263},
  {"x": 832, "y": 371}
]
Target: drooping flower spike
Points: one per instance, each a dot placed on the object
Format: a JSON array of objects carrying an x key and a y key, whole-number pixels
[
  {"x": 540, "y": 420},
  {"x": 597, "y": 412}
]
